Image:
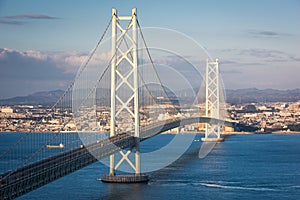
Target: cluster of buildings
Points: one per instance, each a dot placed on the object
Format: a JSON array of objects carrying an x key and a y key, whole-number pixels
[
  {"x": 25, "y": 118},
  {"x": 265, "y": 117},
  {"x": 268, "y": 117}
]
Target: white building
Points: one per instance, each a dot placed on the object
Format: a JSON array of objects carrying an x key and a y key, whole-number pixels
[{"x": 7, "y": 110}]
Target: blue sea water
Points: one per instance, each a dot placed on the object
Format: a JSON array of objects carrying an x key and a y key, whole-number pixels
[{"x": 242, "y": 167}]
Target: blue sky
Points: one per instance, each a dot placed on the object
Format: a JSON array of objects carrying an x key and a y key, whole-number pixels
[{"x": 256, "y": 41}]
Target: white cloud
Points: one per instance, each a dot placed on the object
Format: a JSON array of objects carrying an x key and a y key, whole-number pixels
[
  {"x": 24, "y": 72},
  {"x": 258, "y": 67}
]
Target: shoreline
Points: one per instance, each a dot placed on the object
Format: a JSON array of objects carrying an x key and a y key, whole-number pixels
[
  {"x": 241, "y": 133},
  {"x": 187, "y": 132}
]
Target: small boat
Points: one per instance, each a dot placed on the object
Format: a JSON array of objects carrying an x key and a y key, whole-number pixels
[
  {"x": 263, "y": 131},
  {"x": 60, "y": 146},
  {"x": 260, "y": 132}
]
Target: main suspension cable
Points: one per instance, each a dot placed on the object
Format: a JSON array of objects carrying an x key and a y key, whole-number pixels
[
  {"x": 152, "y": 63},
  {"x": 69, "y": 88},
  {"x": 92, "y": 90}
]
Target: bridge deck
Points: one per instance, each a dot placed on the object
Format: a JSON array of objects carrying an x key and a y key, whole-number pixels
[{"x": 27, "y": 178}]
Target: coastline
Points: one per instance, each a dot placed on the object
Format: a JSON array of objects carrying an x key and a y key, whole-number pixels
[
  {"x": 240, "y": 133},
  {"x": 187, "y": 132}
]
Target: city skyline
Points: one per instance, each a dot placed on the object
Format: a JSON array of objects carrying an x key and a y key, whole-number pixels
[{"x": 44, "y": 43}]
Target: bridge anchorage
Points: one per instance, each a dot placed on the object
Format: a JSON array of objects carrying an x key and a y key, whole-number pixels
[
  {"x": 121, "y": 78},
  {"x": 212, "y": 104}
]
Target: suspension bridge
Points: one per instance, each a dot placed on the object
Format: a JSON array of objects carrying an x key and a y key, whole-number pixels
[{"x": 115, "y": 108}]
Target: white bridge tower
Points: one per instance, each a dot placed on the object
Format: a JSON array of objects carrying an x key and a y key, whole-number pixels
[
  {"x": 125, "y": 93},
  {"x": 212, "y": 104}
]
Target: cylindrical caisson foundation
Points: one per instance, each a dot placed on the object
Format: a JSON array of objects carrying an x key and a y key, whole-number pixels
[
  {"x": 212, "y": 139},
  {"x": 128, "y": 178}
]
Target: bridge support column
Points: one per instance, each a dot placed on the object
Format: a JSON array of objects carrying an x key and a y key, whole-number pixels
[
  {"x": 212, "y": 104},
  {"x": 125, "y": 94}
]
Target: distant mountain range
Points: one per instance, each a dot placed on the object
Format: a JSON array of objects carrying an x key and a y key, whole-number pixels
[
  {"x": 249, "y": 95},
  {"x": 43, "y": 98},
  {"x": 253, "y": 95}
]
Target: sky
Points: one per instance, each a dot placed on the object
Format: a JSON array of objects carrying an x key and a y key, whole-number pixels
[{"x": 43, "y": 43}]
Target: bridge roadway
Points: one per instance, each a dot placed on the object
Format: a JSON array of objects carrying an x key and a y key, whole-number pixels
[{"x": 27, "y": 178}]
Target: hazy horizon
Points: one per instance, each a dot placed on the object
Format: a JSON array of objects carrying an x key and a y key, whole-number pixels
[
  {"x": 62, "y": 90},
  {"x": 44, "y": 44}
]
